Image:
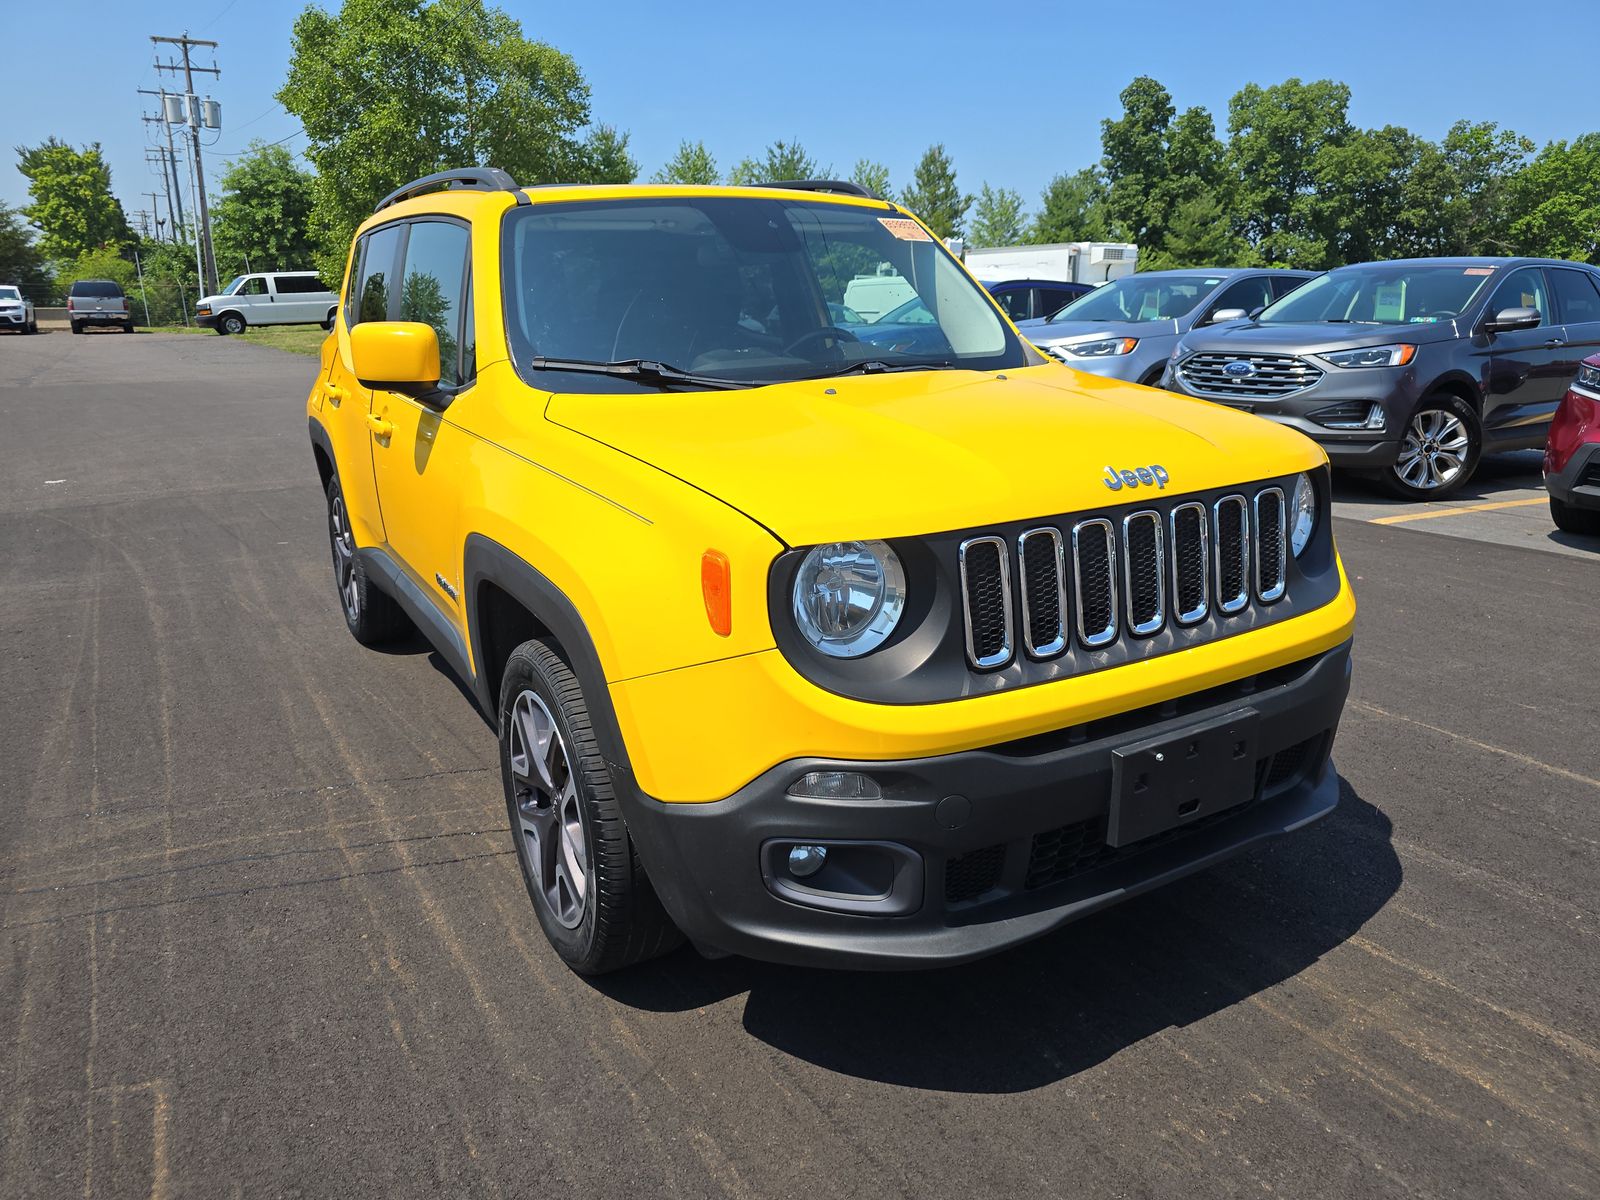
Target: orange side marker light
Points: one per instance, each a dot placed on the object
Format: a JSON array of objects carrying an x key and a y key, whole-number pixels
[{"x": 716, "y": 585}]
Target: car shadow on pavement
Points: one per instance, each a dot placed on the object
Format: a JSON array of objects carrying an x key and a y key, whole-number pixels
[
  {"x": 1052, "y": 1008},
  {"x": 1497, "y": 473}
]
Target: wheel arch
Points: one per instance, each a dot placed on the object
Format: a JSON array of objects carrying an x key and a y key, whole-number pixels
[
  {"x": 231, "y": 312},
  {"x": 1459, "y": 385},
  {"x": 509, "y": 601},
  {"x": 322, "y": 451}
]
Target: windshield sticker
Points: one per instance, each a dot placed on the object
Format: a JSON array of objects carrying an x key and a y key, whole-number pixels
[
  {"x": 906, "y": 231},
  {"x": 1478, "y": 271},
  {"x": 1424, "y": 321}
]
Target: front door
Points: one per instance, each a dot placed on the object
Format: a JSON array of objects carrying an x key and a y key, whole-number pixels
[
  {"x": 1521, "y": 369},
  {"x": 418, "y": 454}
]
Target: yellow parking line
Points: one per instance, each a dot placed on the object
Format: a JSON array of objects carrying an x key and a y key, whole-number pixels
[{"x": 1401, "y": 518}]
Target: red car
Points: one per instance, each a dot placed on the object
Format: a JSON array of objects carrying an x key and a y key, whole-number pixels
[{"x": 1572, "y": 454}]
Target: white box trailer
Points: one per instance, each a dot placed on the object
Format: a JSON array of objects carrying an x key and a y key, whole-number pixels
[{"x": 1068, "y": 262}]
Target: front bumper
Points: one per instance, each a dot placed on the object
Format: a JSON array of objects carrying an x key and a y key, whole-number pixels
[
  {"x": 991, "y": 846},
  {"x": 18, "y": 318},
  {"x": 206, "y": 320},
  {"x": 1578, "y": 483}
]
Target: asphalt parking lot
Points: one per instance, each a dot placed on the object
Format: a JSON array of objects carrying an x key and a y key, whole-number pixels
[{"x": 265, "y": 935}]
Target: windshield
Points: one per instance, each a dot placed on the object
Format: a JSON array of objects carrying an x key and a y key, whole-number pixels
[
  {"x": 10, "y": 293},
  {"x": 742, "y": 290},
  {"x": 1382, "y": 294},
  {"x": 1141, "y": 298}
]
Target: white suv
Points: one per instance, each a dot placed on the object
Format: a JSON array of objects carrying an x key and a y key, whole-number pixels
[
  {"x": 270, "y": 298},
  {"x": 16, "y": 312}
]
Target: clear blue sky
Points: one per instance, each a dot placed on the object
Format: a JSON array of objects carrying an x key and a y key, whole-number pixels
[{"x": 1015, "y": 91}]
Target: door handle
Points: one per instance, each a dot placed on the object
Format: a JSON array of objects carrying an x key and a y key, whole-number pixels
[
  {"x": 333, "y": 392},
  {"x": 381, "y": 429},
  {"x": 1552, "y": 343}
]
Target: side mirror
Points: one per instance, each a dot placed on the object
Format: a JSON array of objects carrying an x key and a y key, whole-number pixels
[
  {"x": 1509, "y": 319},
  {"x": 1227, "y": 314},
  {"x": 396, "y": 356}
]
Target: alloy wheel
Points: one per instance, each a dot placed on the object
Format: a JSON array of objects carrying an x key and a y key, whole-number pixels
[
  {"x": 548, "y": 809},
  {"x": 1434, "y": 451},
  {"x": 344, "y": 558}
]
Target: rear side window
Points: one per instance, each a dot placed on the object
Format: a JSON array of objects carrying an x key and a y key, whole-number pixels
[
  {"x": 1577, "y": 294},
  {"x": 1053, "y": 300},
  {"x": 431, "y": 291},
  {"x": 379, "y": 252},
  {"x": 1523, "y": 288},
  {"x": 298, "y": 285},
  {"x": 104, "y": 289}
]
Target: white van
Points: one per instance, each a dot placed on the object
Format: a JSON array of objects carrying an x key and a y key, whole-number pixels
[{"x": 270, "y": 298}]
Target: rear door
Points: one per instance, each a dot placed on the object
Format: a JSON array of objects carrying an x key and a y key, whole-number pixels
[
  {"x": 1577, "y": 296},
  {"x": 1523, "y": 376}
]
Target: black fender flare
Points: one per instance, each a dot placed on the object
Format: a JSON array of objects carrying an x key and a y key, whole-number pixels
[
  {"x": 321, "y": 440},
  {"x": 486, "y": 561}
]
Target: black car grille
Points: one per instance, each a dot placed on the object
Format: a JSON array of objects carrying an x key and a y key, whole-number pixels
[
  {"x": 968, "y": 876},
  {"x": 1121, "y": 580},
  {"x": 1270, "y": 375}
]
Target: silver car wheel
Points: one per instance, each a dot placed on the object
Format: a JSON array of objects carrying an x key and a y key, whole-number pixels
[
  {"x": 1433, "y": 452},
  {"x": 344, "y": 558},
  {"x": 548, "y": 809}
]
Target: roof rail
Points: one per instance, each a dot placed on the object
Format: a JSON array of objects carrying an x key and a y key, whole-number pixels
[
  {"x": 477, "y": 179},
  {"x": 842, "y": 186}
]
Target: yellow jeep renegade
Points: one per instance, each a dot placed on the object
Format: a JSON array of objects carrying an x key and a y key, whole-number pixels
[{"x": 821, "y": 617}]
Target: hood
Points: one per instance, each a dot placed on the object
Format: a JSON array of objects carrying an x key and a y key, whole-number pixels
[
  {"x": 1041, "y": 331},
  {"x": 925, "y": 452},
  {"x": 1312, "y": 338}
]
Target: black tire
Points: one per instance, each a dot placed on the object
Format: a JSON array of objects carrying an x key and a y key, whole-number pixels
[
  {"x": 231, "y": 323},
  {"x": 618, "y": 921},
  {"x": 1422, "y": 455},
  {"x": 331, "y": 320},
  {"x": 371, "y": 614},
  {"x": 77, "y": 327},
  {"x": 1574, "y": 520},
  {"x": 31, "y": 327},
  {"x": 128, "y": 327}
]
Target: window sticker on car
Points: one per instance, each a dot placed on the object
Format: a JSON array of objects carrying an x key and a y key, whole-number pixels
[
  {"x": 1478, "y": 271},
  {"x": 906, "y": 231}
]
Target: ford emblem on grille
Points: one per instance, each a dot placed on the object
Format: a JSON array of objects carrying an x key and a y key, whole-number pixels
[{"x": 1238, "y": 368}]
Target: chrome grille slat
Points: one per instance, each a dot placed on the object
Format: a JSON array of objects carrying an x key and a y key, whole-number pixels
[
  {"x": 1274, "y": 375},
  {"x": 1191, "y": 564},
  {"x": 1271, "y": 554},
  {"x": 986, "y": 601},
  {"x": 1232, "y": 518},
  {"x": 1144, "y": 573},
  {"x": 1094, "y": 575},
  {"x": 1186, "y": 564},
  {"x": 1041, "y": 569}
]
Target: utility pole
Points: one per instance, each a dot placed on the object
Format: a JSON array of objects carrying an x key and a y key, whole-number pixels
[
  {"x": 167, "y": 159},
  {"x": 208, "y": 262},
  {"x": 155, "y": 211}
]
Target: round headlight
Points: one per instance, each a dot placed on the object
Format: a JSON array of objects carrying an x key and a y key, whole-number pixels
[
  {"x": 1302, "y": 514},
  {"x": 848, "y": 597}
]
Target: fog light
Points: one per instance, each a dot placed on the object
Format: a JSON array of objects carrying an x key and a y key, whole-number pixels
[
  {"x": 806, "y": 861},
  {"x": 836, "y": 785}
]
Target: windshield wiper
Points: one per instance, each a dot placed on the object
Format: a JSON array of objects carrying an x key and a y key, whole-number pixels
[
  {"x": 879, "y": 366},
  {"x": 643, "y": 369}
]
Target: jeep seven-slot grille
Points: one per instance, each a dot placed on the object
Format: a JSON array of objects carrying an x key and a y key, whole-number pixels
[
  {"x": 1247, "y": 376},
  {"x": 1100, "y": 581}
]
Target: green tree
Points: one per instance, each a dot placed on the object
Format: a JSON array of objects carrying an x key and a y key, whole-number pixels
[
  {"x": 1276, "y": 134},
  {"x": 1360, "y": 201},
  {"x": 692, "y": 163},
  {"x": 104, "y": 262},
  {"x": 1155, "y": 159},
  {"x": 1072, "y": 209},
  {"x": 262, "y": 221},
  {"x": 20, "y": 260},
  {"x": 934, "y": 195},
  {"x": 1557, "y": 197},
  {"x": 389, "y": 90},
  {"x": 873, "y": 176},
  {"x": 1199, "y": 234},
  {"x": 72, "y": 205},
  {"x": 782, "y": 160},
  {"x": 998, "y": 219},
  {"x": 604, "y": 158}
]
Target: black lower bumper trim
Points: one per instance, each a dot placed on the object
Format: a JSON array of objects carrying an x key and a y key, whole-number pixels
[
  {"x": 1028, "y": 853},
  {"x": 1578, "y": 483}
]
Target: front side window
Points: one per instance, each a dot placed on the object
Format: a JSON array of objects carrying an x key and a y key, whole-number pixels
[
  {"x": 1248, "y": 294},
  {"x": 377, "y": 270},
  {"x": 1382, "y": 294},
  {"x": 739, "y": 290},
  {"x": 253, "y": 285},
  {"x": 1522, "y": 289},
  {"x": 1141, "y": 298},
  {"x": 430, "y": 289},
  {"x": 1015, "y": 302}
]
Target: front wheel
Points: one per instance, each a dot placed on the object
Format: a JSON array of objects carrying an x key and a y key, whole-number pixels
[
  {"x": 582, "y": 873},
  {"x": 1439, "y": 449},
  {"x": 371, "y": 615},
  {"x": 230, "y": 323},
  {"x": 1569, "y": 519}
]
